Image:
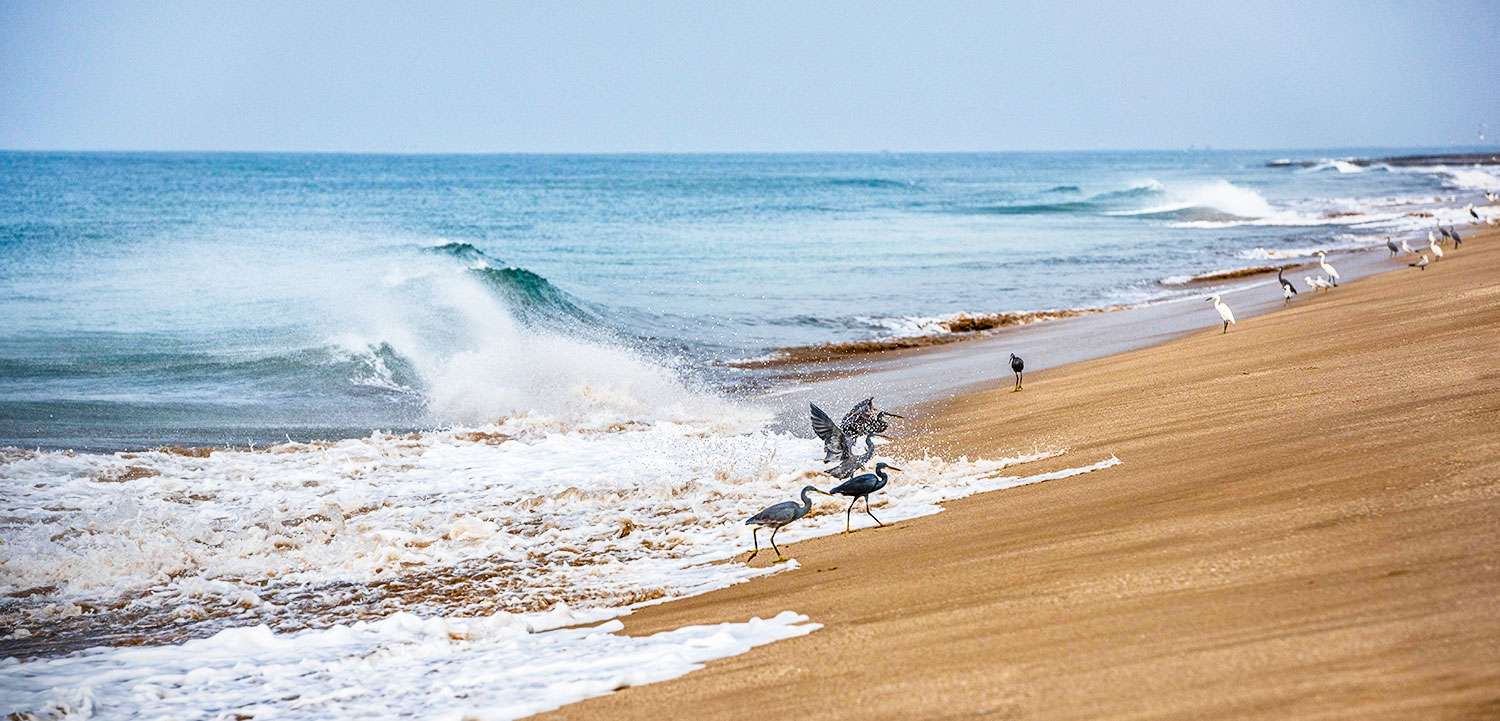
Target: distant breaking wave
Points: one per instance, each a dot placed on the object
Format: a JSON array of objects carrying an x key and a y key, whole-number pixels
[{"x": 1098, "y": 203}]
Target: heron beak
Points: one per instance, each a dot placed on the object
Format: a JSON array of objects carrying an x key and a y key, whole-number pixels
[
  {"x": 883, "y": 438},
  {"x": 893, "y": 415},
  {"x": 893, "y": 468}
]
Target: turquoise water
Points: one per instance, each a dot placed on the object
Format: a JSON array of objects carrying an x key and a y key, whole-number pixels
[{"x": 226, "y": 298}]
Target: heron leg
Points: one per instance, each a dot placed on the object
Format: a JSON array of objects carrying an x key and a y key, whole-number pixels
[
  {"x": 773, "y": 541},
  {"x": 755, "y": 536},
  {"x": 1226, "y": 327},
  {"x": 1020, "y": 379},
  {"x": 847, "y": 512},
  {"x": 870, "y": 513}
]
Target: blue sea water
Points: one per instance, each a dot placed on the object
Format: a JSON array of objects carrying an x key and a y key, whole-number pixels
[{"x": 225, "y": 298}]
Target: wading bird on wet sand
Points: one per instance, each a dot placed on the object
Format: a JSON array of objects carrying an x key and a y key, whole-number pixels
[
  {"x": 1391, "y": 244},
  {"x": 1287, "y": 289},
  {"x": 776, "y": 517},
  {"x": 861, "y": 486},
  {"x": 1016, "y": 366},
  {"x": 1437, "y": 250},
  {"x": 1224, "y": 312},
  {"x": 1333, "y": 275}
]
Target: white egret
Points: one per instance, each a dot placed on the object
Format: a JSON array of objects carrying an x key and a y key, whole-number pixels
[
  {"x": 1224, "y": 311},
  {"x": 1437, "y": 250},
  {"x": 1323, "y": 263}
]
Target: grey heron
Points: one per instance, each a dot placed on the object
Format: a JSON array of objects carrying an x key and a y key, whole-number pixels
[
  {"x": 1224, "y": 312},
  {"x": 850, "y": 462},
  {"x": 1473, "y": 214},
  {"x": 1391, "y": 244},
  {"x": 777, "y": 516},
  {"x": 1333, "y": 275},
  {"x": 1016, "y": 366},
  {"x": 1458, "y": 240},
  {"x": 1287, "y": 289},
  {"x": 1421, "y": 263},
  {"x": 861, "y": 486}
]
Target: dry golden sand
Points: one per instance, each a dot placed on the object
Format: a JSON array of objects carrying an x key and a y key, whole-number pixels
[{"x": 1306, "y": 524}]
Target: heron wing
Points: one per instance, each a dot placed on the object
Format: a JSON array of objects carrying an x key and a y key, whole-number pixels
[
  {"x": 835, "y": 443},
  {"x": 779, "y": 513},
  {"x": 822, "y": 424},
  {"x": 856, "y": 486}
]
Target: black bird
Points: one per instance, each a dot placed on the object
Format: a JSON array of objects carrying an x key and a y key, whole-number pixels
[
  {"x": 861, "y": 486},
  {"x": 1457, "y": 239},
  {"x": 1288, "y": 290},
  {"x": 1016, "y": 366},
  {"x": 1395, "y": 249}
]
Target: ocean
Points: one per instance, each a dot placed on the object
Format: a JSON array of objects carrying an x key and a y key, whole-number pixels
[
  {"x": 275, "y": 425},
  {"x": 235, "y": 298}
]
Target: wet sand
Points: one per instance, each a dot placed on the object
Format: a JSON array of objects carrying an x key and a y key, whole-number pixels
[
  {"x": 1306, "y": 524},
  {"x": 917, "y": 375}
]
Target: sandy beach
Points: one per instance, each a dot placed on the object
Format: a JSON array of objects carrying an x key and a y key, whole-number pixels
[{"x": 1304, "y": 525}]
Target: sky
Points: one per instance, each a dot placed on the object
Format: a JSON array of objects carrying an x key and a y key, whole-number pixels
[{"x": 752, "y": 76}]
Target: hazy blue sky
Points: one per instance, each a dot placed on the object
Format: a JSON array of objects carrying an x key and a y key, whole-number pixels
[{"x": 703, "y": 76}]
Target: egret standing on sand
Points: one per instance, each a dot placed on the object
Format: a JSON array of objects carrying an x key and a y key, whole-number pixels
[
  {"x": 1437, "y": 250},
  {"x": 1287, "y": 289},
  {"x": 1016, "y": 366},
  {"x": 1224, "y": 311},
  {"x": 1421, "y": 263},
  {"x": 861, "y": 486},
  {"x": 774, "y": 517},
  {"x": 1333, "y": 275}
]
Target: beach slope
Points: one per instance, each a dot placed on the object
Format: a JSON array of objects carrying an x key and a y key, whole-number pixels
[{"x": 1305, "y": 524}]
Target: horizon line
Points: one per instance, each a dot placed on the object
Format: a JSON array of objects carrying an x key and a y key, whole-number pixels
[{"x": 562, "y": 153}]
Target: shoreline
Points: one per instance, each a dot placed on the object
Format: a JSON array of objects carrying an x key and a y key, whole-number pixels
[
  {"x": 934, "y": 372},
  {"x": 1273, "y": 514}
]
